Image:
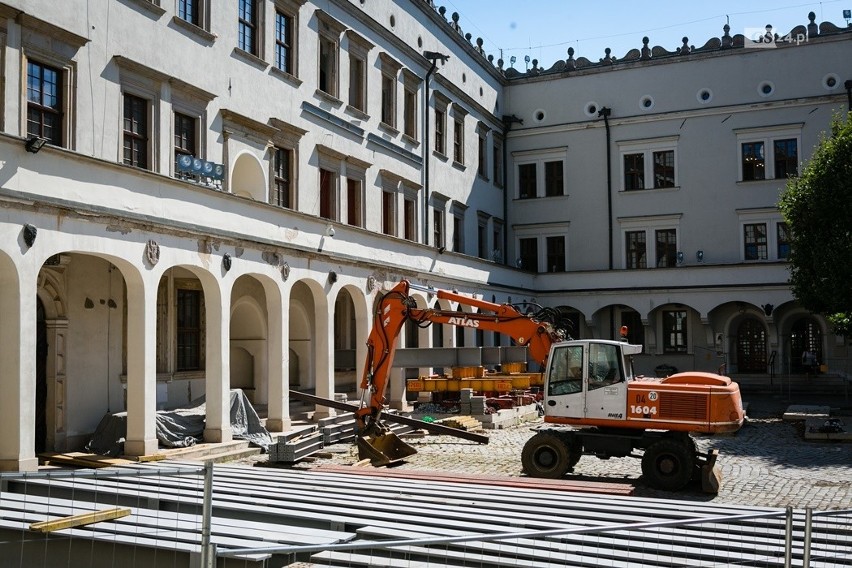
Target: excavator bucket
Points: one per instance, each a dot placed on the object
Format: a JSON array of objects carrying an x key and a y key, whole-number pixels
[
  {"x": 711, "y": 475},
  {"x": 383, "y": 449}
]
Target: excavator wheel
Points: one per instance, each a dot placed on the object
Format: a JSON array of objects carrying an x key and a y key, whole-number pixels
[
  {"x": 546, "y": 455},
  {"x": 668, "y": 464}
]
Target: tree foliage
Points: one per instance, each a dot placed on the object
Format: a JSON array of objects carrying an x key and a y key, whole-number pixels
[{"x": 818, "y": 209}]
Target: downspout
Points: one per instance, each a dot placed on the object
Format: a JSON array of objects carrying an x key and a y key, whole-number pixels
[
  {"x": 432, "y": 56},
  {"x": 426, "y": 153},
  {"x": 605, "y": 112}
]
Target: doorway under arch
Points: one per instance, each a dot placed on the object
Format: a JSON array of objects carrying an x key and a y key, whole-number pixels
[
  {"x": 804, "y": 335},
  {"x": 751, "y": 346}
]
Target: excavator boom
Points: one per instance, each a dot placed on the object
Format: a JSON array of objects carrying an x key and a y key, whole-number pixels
[{"x": 397, "y": 307}]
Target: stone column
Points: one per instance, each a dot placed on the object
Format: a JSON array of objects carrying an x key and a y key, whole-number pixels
[
  {"x": 323, "y": 356},
  {"x": 141, "y": 367},
  {"x": 217, "y": 298},
  {"x": 278, "y": 410}
]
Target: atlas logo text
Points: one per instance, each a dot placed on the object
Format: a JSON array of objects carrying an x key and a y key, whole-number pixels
[{"x": 463, "y": 322}]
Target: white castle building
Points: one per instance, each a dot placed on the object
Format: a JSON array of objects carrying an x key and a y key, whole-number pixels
[{"x": 197, "y": 196}]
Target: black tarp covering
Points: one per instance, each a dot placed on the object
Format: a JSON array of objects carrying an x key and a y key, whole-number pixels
[{"x": 181, "y": 427}]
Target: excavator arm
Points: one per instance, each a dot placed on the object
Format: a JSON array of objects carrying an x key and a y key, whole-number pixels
[{"x": 397, "y": 306}]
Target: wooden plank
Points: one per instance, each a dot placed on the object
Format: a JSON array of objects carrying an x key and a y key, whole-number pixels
[
  {"x": 505, "y": 481},
  {"x": 83, "y": 460},
  {"x": 80, "y": 520}
]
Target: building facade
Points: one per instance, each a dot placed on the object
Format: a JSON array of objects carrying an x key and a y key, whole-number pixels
[{"x": 222, "y": 210}]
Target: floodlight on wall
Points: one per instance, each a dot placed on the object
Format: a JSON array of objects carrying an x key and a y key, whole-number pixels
[
  {"x": 34, "y": 144},
  {"x": 329, "y": 231}
]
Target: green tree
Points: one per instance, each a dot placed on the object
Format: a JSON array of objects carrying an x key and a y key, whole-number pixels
[{"x": 818, "y": 209}]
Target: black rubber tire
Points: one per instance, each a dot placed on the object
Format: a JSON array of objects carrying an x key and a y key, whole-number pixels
[
  {"x": 668, "y": 464},
  {"x": 545, "y": 455}
]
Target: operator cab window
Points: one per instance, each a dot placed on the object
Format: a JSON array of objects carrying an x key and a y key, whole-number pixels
[
  {"x": 566, "y": 371},
  {"x": 604, "y": 367}
]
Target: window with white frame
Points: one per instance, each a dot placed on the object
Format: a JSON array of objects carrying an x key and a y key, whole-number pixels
[
  {"x": 329, "y": 43},
  {"x": 195, "y": 12},
  {"x": 528, "y": 254},
  {"x": 540, "y": 173},
  {"x": 359, "y": 50},
  {"x": 650, "y": 241},
  {"x": 497, "y": 227},
  {"x": 674, "y": 331},
  {"x": 459, "y": 115},
  {"x": 555, "y": 253},
  {"x": 44, "y": 102},
  {"x": 763, "y": 235},
  {"x": 482, "y": 249},
  {"x": 458, "y": 210},
  {"x": 439, "y": 219},
  {"x": 282, "y": 184},
  {"x": 46, "y": 99},
  {"x": 329, "y": 186},
  {"x": 249, "y": 32},
  {"x": 782, "y": 241},
  {"x": 286, "y": 58},
  {"x": 409, "y": 217},
  {"x": 768, "y": 153},
  {"x": 410, "y": 87},
  {"x": 497, "y": 161},
  {"x": 441, "y": 105},
  {"x": 283, "y": 178},
  {"x": 482, "y": 150},
  {"x": 540, "y": 246},
  {"x": 390, "y": 71},
  {"x": 648, "y": 164},
  {"x": 356, "y": 181}
]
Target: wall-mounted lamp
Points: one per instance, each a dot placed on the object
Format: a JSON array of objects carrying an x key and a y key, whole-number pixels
[
  {"x": 332, "y": 276},
  {"x": 441, "y": 249},
  {"x": 29, "y": 233},
  {"x": 329, "y": 231},
  {"x": 699, "y": 256},
  {"x": 767, "y": 309},
  {"x": 226, "y": 262},
  {"x": 680, "y": 257},
  {"x": 34, "y": 144}
]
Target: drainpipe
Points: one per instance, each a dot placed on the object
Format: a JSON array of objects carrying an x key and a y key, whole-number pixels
[
  {"x": 605, "y": 112},
  {"x": 432, "y": 56}
]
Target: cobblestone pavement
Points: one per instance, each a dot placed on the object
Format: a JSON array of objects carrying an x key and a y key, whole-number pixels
[{"x": 767, "y": 463}]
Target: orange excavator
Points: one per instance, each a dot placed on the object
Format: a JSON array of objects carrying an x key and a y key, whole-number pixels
[{"x": 594, "y": 404}]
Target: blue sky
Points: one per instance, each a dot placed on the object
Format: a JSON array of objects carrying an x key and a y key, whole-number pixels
[{"x": 545, "y": 29}]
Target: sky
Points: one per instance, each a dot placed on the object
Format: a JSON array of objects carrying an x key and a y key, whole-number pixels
[{"x": 545, "y": 29}]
